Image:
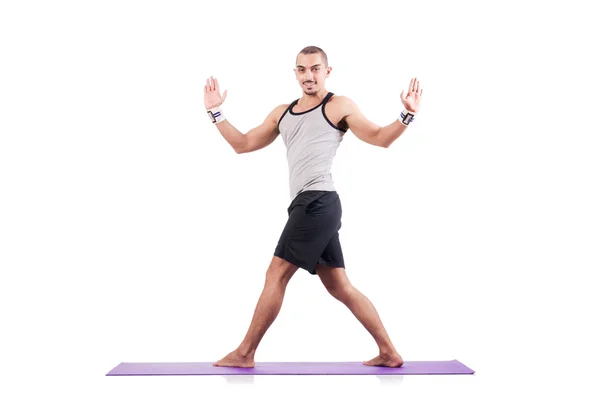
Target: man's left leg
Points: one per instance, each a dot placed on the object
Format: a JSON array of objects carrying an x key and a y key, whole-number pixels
[
  {"x": 338, "y": 285},
  {"x": 269, "y": 304}
]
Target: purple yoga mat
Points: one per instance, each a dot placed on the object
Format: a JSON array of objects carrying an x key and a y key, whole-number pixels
[{"x": 452, "y": 367}]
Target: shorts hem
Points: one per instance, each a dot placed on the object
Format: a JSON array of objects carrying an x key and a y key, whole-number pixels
[
  {"x": 331, "y": 264},
  {"x": 285, "y": 255},
  {"x": 282, "y": 253}
]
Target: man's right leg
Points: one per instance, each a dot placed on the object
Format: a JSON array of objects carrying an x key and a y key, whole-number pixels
[
  {"x": 278, "y": 275},
  {"x": 339, "y": 286}
]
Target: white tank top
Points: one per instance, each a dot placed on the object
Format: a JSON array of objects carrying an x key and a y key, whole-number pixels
[{"x": 311, "y": 140}]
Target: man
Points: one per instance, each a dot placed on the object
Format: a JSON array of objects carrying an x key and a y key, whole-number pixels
[{"x": 312, "y": 128}]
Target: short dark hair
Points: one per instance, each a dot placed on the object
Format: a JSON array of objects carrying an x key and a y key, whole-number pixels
[{"x": 313, "y": 50}]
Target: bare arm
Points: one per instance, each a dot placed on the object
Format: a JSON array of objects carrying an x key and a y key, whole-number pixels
[
  {"x": 255, "y": 139},
  {"x": 374, "y": 134},
  {"x": 368, "y": 131}
]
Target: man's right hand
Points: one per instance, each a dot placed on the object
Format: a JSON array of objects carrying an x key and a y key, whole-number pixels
[{"x": 212, "y": 95}]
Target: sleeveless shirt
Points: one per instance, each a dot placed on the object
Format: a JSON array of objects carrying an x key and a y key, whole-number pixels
[{"x": 311, "y": 140}]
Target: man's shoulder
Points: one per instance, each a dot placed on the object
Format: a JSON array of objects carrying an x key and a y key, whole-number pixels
[
  {"x": 278, "y": 111},
  {"x": 342, "y": 103},
  {"x": 341, "y": 100},
  {"x": 282, "y": 107}
]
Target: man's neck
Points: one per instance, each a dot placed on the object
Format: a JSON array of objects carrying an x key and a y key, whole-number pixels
[{"x": 309, "y": 101}]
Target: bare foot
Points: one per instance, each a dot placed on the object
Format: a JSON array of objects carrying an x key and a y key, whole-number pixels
[
  {"x": 386, "y": 360},
  {"x": 235, "y": 359}
]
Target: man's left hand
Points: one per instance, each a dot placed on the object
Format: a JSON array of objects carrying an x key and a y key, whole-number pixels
[{"x": 412, "y": 100}]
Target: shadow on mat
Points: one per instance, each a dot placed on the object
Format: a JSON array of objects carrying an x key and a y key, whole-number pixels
[
  {"x": 249, "y": 379},
  {"x": 239, "y": 379},
  {"x": 390, "y": 379}
]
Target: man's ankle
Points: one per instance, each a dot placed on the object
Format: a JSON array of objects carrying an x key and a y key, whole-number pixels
[
  {"x": 387, "y": 352},
  {"x": 245, "y": 351}
]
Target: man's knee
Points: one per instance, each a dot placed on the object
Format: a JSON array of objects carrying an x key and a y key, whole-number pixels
[
  {"x": 336, "y": 282},
  {"x": 342, "y": 291},
  {"x": 280, "y": 271}
]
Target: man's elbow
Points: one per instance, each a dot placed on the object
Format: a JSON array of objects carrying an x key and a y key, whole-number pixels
[
  {"x": 385, "y": 143},
  {"x": 241, "y": 147},
  {"x": 381, "y": 141}
]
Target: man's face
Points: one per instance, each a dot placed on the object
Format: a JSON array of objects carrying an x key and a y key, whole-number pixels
[{"x": 311, "y": 73}]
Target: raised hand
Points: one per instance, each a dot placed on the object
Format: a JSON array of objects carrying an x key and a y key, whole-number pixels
[
  {"x": 212, "y": 94},
  {"x": 412, "y": 100}
]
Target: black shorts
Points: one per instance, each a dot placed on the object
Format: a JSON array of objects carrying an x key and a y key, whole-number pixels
[{"x": 310, "y": 235}]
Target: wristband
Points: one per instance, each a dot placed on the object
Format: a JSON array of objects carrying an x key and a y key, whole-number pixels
[
  {"x": 216, "y": 115},
  {"x": 406, "y": 117}
]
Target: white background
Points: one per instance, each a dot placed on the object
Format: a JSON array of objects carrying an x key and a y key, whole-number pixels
[{"x": 131, "y": 231}]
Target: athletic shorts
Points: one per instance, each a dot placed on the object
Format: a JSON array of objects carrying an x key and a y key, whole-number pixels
[{"x": 310, "y": 235}]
